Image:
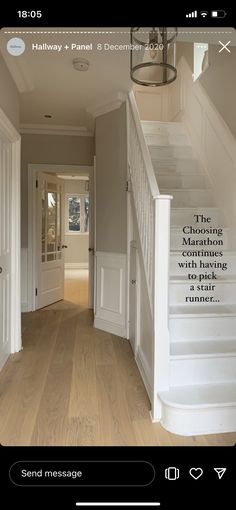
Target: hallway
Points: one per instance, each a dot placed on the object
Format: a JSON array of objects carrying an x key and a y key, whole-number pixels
[{"x": 76, "y": 385}]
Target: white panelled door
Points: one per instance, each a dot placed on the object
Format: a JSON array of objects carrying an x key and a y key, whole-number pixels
[
  {"x": 50, "y": 240},
  {"x": 5, "y": 249}
]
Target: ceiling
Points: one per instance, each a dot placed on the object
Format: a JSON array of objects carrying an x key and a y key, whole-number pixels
[{"x": 48, "y": 83}]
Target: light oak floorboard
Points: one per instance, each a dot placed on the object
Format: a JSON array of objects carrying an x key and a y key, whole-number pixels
[{"x": 76, "y": 385}]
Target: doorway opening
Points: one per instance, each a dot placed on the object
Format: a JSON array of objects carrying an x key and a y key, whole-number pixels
[{"x": 60, "y": 237}]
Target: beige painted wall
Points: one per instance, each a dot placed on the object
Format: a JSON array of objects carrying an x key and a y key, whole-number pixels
[
  {"x": 111, "y": 174},
  {"x": 50, "y": 149},
  {"x": 219, "y": 81},
  {"x": 154, "y": 102},
  {"x": 185, "y": 49},
  {"x": 9, "y": 97},
  {"x": 77, "y": 251}
]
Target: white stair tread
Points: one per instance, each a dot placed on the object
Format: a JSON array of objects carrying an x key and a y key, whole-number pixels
[
  {"x": 169, "y": 146},
  {"x": 226, "y": 252},
  {"x": 179, "y": 228},
  {"x": 203, "y": 348},
  {"x": 169, "y": 191},
  {"x": 161, "y": 123},
  {"x": 200, "y": 396},
  {"x": 220, "y": 279},
  {"x": 209, "y": 311},
  {"x": 195, "y": 208},
  {"x": 163, "y": 173}
]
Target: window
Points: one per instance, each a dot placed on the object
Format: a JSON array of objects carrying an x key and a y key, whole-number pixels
[{"x": 77, "y": 214}]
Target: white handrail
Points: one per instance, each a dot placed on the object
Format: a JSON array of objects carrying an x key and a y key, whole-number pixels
[
  {"x": 145, "y": 153},
  {"x": 144, "y": 188}
]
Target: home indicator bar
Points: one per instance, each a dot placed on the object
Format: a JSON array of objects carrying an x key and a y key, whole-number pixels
[{"x": 116, "y": 503}]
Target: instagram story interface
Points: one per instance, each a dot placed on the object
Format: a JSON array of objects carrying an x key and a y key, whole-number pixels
[{"x": 118, "y": 257}]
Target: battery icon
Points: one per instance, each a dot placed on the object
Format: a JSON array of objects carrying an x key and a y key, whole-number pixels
[{"x": 218, "y": 14}]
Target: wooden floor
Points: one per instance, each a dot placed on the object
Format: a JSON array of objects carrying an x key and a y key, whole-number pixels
[{"x": 75, "y": 385}]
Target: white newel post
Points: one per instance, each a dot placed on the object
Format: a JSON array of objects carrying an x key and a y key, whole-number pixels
[{"x": 161, "y": 301}]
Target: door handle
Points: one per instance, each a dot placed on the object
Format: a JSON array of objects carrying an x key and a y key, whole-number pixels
[
  {"x": 0, "y": 270},
  {"x": 91, "y": 250},
  {"x": 64, "y": 246},
  {"x": 133, "y": 282}
]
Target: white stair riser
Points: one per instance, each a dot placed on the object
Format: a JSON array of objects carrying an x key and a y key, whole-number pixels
[
  {"x": 228, "y": 261},
  {"x": 202, "y": 328},
  {"x": 160, "y": 139},
  {"x": 184, "y": 372},
  {"x": 176, "y": 242},
  {"x": 183, "y": 217},
  {"x": 223, "y": 293},
  {"x": 183, "y": 152},
  {"x": 172, "y": 166},
  {"x": 190, "y": 198},
  {"x": 192, "y": 422},
  {"x": 156, "y": 127},
  {"x": 181, "y": 181}
]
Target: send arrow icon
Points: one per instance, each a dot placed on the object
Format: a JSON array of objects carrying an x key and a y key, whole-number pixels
[{"x": 220, "y": 472}]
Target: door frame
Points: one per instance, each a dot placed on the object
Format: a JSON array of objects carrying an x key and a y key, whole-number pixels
[
  {"x": 32, "y": 265},
  {"x": 92, "y": 240},
  {"x": 13, "y": 137}
]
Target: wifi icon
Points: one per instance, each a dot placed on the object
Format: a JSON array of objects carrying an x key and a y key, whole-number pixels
[{"x": 204, "y": 13}]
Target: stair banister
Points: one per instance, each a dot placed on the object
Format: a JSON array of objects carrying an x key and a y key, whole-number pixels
[{"x": 153, "y": 219}]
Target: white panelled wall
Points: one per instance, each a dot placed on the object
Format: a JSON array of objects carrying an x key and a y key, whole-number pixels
[{"x": 110, "y": 308}]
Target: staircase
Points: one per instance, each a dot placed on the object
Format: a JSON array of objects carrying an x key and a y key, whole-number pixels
[{"x": 202, "y": 309}]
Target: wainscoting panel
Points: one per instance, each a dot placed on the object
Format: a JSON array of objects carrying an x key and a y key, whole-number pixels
[{"x": 110, "y": 313}]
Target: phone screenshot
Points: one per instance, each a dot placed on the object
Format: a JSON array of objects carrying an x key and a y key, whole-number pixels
[{"x": 117, "y": 258}]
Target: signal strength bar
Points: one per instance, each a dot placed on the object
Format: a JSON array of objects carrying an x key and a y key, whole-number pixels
[{"x": 192, "y": 14}]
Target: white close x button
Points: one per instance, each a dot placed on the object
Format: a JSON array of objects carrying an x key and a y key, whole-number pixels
[{"x": 224, "y": 46}]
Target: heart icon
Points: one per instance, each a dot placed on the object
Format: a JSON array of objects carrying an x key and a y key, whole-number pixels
[{"x": 196, "y": 472}]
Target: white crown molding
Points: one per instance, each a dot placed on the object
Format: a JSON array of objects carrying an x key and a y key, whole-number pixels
[
  {"x": 113, "y": 103},
  {"x": 47, "y": 129}
]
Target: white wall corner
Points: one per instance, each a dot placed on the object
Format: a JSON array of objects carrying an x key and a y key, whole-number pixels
[{"x": 111, "y": 103}]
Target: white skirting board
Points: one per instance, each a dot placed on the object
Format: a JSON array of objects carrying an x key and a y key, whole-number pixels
[
  {"x": 76, "y": 265},
  {"x": 144, "y": 370},
  {"x": 114, "y": 329},
  {"x": 110, "y": 309}
]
